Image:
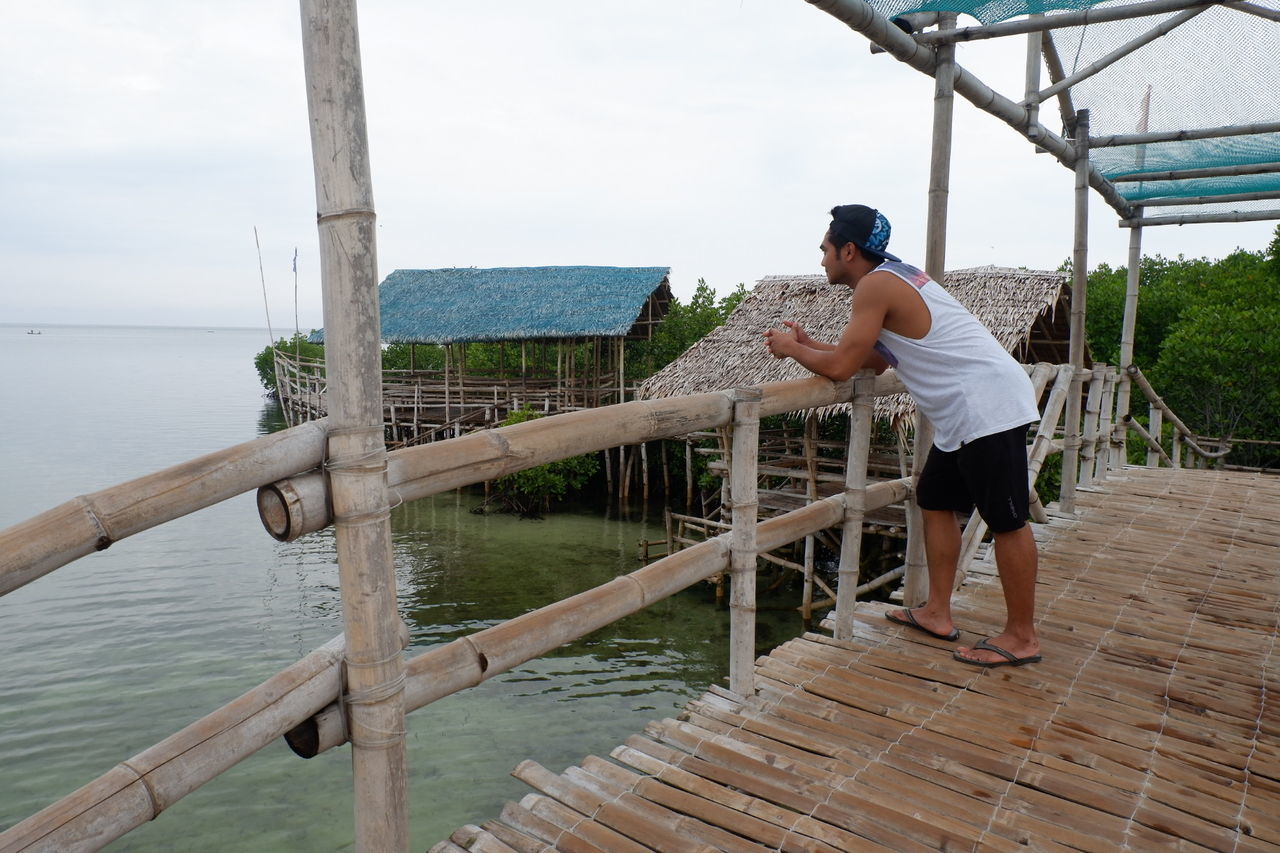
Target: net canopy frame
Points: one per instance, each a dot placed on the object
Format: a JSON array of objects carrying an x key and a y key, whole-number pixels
[
  {"x": 1183, "y": 96},
  {"x": 1167, "y": 109}
]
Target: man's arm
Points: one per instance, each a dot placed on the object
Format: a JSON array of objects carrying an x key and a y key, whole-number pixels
[{"x": 856, "y": 347}]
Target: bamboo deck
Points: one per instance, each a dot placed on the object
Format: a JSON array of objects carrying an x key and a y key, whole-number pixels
[{"x": 1151, "y": 724}]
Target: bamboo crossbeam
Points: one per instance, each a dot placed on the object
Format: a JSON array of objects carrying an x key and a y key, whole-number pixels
[
  {"x": 860, "y": 16},
  {"x": 1192, "y": 218},
  {"x": 93, "y": 522},
  {"x": 1061, "y": 20},
  {"x": 469, "y": 660},
  {"x": 1162, "y": 29},
  {"x": 1255, "y": 9},
  {"x": 1112, "y": 140},
  {"x": 1189, "y": 174},
  {"x": 140, "y": 788},
  {"x": 1225, "y": 198}
]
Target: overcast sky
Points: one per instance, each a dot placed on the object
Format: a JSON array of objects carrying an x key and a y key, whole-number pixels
[{"x": 143, "y": 141}]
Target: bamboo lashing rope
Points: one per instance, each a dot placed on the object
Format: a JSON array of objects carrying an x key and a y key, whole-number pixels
[{"x": 370, "y": 696}]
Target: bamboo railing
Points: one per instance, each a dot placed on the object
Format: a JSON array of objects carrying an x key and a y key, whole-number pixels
[
  {"x": 306, "y": 700},
  {"x": 306, "y": 703}
]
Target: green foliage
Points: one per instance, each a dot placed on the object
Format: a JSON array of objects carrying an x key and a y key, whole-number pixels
[
  {"x": 297, "y": 346},
  {"x": 534, "y": 489},
  {"x": 684, "y": 326},
  {"x": 1205, "y": 336},
  {"x": 412, "y": 356}
]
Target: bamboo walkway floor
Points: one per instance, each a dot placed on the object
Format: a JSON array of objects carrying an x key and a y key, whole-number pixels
[{"x": 1152, "y": 723}]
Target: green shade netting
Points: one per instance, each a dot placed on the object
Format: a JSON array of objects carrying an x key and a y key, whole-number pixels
[{"x": 1219, "y": 69}]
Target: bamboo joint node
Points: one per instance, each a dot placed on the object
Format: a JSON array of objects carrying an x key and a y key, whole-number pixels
[
  {"x": 330, "y": 215},
  {"x": 157, "y": 804}
]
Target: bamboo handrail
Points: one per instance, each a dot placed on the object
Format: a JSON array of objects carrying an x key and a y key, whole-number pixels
[
  {"x": 416, "y": 472},
  {"x": 1147, "y": 437},
  {"x": 94, "y": 521},
  {"x": 1135, "y": 374},
  {"x": 469, "y": 660}
]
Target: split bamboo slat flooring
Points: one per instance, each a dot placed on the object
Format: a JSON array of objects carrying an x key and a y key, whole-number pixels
[{"x": 1151, "y": 724}]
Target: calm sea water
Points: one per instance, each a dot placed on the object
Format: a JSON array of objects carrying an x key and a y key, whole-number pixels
[{"x": 111, "y": 654}]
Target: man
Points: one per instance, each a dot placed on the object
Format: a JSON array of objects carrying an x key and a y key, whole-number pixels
[{"x": 979, "y": 400}]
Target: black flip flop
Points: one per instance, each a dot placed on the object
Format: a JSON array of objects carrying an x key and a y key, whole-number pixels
[
  {"x": 1010, "y": 659},
  {"x": 910, "y": 622}
]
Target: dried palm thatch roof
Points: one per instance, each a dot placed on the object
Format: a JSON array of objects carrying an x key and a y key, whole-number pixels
[
  {"x": 465, "y": 305},
  {"x": 1020, "y": 307}
]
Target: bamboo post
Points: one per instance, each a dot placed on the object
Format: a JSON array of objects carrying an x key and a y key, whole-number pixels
[
  {"x": 1156, "y": 431},
  {"x": 1092, "y": 417},
  {"x": 644, "y": 471},
  {"x": 855, "y": 505},
  {"x": 744, "y": 500},
  {"x": 1079, "y": 295},
  {"x": 1129, "y": 324},
  {"x": 688, "y": 475},
  {"x": 811, "y": 491},
  {"x": 1105, "y": 459},
  {"x": 357, "y": 463},
  {"x": 1176, "y": 450},
  {"x": 915, "y": 585}
]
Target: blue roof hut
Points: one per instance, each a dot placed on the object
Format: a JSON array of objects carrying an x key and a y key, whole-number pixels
[{"x": 485, "y": 341}]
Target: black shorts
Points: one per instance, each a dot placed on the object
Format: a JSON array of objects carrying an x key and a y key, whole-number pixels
[{"x": 989, "y": 473}]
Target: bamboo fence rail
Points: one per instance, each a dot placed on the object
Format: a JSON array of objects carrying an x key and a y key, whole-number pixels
[{"x": 93, "y": 522}]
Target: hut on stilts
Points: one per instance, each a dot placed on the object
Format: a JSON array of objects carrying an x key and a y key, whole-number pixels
[{"x": 485, "y": 342}]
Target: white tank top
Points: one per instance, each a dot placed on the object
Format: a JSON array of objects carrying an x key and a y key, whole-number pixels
[{"x": 962, "y": 379}]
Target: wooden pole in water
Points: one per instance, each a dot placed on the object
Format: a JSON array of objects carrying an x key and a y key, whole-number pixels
[
  {"x": 357, "y": 463},
  {"x": 743, "y": 460}
]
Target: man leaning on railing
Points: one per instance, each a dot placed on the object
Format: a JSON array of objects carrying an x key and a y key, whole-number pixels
[{"x": 979, "y": 400}]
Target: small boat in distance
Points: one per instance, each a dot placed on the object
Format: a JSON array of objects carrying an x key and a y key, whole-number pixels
[{"x": 34, "y": 332}]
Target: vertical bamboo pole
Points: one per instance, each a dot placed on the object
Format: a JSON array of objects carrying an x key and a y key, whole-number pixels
[
  {"x": 1105, "y": 459},
  {"x": 644, "y": 470},
  {"x": 1130, "y": 322},
  {"x": 357, "y": 453},
  {"x": 742, "y": 554},
  {"x": 915, "y": 583},
  {"x": 688, "y": 475},
  {"x": 1155, "y": 426},
  {"x": 855, "y": 503},
  {"x": 1092, "y": 416},
  {"x": 1079, "y": 297},
  {"x": 811, "y": 491}
]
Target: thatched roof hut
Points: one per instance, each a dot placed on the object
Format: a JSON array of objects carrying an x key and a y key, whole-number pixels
[
  {"x": 470, "y": 305},
  {"x": 1026, "y": 310}
]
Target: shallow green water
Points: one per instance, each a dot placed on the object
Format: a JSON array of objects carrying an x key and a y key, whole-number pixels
[{"x": 111, "y": 654}]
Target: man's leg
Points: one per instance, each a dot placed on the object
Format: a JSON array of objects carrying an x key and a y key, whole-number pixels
[
  {"x": 942, "y": 551},
  {"x": 1017, "y": 560}
]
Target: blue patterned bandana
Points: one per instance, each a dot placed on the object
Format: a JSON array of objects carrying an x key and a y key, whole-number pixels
[{"x": 865, "y": 227}]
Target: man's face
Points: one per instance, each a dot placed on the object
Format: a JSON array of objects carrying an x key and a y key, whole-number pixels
[{"x": 834, "y": 261}]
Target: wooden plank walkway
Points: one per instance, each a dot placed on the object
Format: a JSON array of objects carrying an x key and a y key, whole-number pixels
[{"x": 1152, "y": 723}]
